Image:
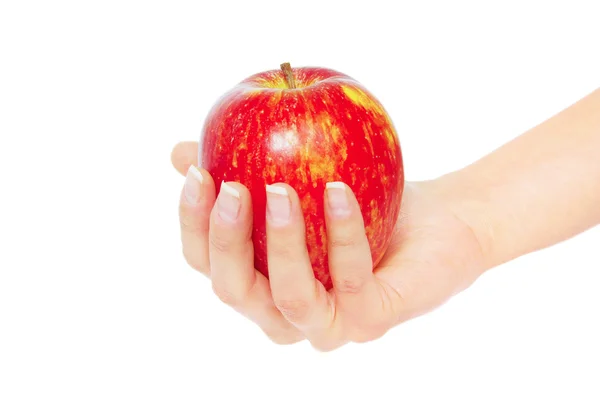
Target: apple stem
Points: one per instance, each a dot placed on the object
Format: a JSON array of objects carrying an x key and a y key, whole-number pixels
[{"x": 289, "y": 76}]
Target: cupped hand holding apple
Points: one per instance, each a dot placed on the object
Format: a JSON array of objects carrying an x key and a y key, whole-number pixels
[
  {"x": 432, "y": 255},
  {"x": 295, "y": 206}
]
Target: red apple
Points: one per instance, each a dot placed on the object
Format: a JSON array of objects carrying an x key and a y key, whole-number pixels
[{"x": 306, "y": 127}]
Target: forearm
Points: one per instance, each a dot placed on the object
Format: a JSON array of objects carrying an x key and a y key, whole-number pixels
[{"x": 537, "y": 190}]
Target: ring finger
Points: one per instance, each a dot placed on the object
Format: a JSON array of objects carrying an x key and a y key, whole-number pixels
[
  {"x": 300, "y": 297},
  {"x": 231, "y": 253}
]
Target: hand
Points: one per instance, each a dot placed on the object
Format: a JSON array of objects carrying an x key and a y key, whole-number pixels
[{"x": 433, "y": 255}]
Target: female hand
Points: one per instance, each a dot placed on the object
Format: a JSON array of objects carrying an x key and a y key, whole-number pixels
[{"x": 433, "y": 255}]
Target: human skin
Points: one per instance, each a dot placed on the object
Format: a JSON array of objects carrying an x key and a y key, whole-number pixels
[{"x": 537, "y": 190}]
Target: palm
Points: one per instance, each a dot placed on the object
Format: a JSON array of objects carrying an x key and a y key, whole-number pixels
[{"x": 432, "y": 255}]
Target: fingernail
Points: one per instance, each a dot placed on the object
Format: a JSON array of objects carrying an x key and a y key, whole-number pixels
[
  {"x": 228, "y": 203},
  {"x": 192, "y": 188},
  {"x": 337, "y": 199},
  {"x": 278, "y": 205}
]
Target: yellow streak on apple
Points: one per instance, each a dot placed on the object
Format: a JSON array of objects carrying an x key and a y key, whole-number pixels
[
  {"x": 368, "y": 133},
  {"x": 360, "y": 98},
  {"x": 375, "y": 215},
  {"x": 382, "y": 174}
]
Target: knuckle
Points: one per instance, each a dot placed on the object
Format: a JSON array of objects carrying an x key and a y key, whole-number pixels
[
  {"x": 343, "y": 242},
  {"x": 227, "y": 296},
  {"x": 293, "y": 309},
  {"x": 349, "y": 285},
  {"x": 220, "y": 243},
  {"x": 326, "y": 346},
  {"x": 189, "y": 224},
  {"x": 281, "y": 252},
  {"x": 284, "y": 246},
  {"x": 192, "y": 222},
  {"x": 368, "y": 336},
  {"x": 369, "y": 332},
  {"x": 283, "y": 337},
  {"x": 191, "y": 259}
]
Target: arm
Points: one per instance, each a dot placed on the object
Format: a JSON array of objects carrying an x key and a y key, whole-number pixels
[{"x": 537, "y": 190}]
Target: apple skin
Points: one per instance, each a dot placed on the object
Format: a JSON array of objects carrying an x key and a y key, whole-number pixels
[{"x": 328, "y": 128}]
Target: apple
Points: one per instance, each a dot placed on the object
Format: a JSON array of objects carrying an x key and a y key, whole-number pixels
[{"x": 306, "y": 127}]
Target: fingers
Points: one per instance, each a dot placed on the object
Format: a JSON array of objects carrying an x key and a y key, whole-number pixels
[
  {"x": 358, "y": 293},
  {"x": 230, "y": 243},
  {"x": 258, "y": 307},
  {"x": 349, "y": 253},
  {"x": 184, "y": 155},
  {"x": 292, "y": 305},
  {"x": 196, "y": 202},
  {"x": 252, "y": 295},
  {"x": 231, "y": 253},
  {"x": 301, "y": 298}
]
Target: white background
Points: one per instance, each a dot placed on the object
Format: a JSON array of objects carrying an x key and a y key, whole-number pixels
[{"x": 96, "y": 301}]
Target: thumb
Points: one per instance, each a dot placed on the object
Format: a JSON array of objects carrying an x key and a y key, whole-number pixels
[{"x": 183, "y": 155}]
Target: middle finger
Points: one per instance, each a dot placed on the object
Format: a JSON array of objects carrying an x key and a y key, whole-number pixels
[
  {"x": 234, "y": 279},
  {"x": 300, "y": 297}
]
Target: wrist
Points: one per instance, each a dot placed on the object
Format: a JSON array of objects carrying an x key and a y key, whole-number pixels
[
  {"x": 535, "y": 191},
  {"x": 470, "y": 202}
]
